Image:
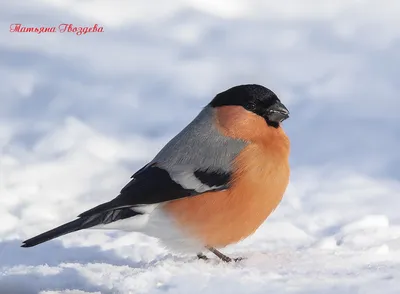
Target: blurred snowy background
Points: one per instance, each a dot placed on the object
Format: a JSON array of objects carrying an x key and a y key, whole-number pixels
[{"x": 79, "y": 115}]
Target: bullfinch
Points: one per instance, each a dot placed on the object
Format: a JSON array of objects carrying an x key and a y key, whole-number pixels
[{"x": 211, "y": 185}]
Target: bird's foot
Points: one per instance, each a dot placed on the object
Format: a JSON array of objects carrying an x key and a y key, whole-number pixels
[
  {"x": 229, "y": 259},
  {"x": 202, "y": 256},
  {"x": 224, "y": 257}
]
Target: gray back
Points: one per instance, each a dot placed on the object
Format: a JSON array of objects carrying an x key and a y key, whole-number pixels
[{"x": 198, "y": 146}]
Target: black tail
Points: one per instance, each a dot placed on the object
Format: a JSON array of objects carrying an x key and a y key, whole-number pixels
[
  {"x": 67, "y": 228},
  {"x": 81, "y": 223}
]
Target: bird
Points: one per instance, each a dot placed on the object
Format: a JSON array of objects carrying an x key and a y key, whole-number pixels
[{"x": 212, "y": 185}]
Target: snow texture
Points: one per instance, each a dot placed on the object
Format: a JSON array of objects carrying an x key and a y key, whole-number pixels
[{"x": 80, "y": 114}]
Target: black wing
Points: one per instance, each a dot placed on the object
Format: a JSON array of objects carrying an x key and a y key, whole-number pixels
[{"x": 152, "y": 184}]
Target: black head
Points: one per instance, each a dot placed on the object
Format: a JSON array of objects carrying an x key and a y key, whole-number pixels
[{"x": 256, "y": 99}]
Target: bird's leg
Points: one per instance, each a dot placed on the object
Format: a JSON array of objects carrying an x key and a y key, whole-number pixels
[
  {"x": 223, "y": 257},
  {"x": 200, "y": 255}
]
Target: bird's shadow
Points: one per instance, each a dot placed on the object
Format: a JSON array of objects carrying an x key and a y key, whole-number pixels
[{"x": 52, "y": 254}]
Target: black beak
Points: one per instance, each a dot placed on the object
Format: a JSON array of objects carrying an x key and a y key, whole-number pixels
[{"x": 277, "y": 112}]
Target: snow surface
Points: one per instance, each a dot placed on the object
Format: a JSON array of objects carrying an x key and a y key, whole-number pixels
[{"x": 80, "y": 114}]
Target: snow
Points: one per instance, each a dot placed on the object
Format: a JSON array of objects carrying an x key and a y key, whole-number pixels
[
  {"x": 80, "y": 114},
  {"x": 314, "y": 243}
]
